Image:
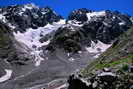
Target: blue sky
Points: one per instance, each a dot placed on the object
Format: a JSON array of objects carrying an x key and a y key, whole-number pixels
[{"x": 64, "y": 7}]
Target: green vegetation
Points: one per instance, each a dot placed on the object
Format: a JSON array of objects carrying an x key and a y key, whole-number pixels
[
  {"x": 114, "y": 63},
  {"x": 97, "y": 66},
  {"x": 125, "y": 67}
]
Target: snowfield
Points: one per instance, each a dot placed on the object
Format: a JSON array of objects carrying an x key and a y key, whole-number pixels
[
  {"x": 32, "y": 36},
  {"x": 6, "y": 76},
  {"x": 98, "y": 48}
]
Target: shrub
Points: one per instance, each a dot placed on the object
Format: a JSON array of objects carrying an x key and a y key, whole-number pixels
[{"x": 125, "y": 67}]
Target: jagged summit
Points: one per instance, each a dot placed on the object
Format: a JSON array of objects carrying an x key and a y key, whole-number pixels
[
  {"x": 85, "y": 15},
  {"x": 79, "y": 15},
  {"x": 21, "y": 17}
]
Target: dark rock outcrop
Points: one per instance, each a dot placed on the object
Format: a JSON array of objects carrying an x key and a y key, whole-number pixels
[
  {"x": 79, "y": 15},
  {"x": 29, "y": 16},
  {"x": 10, "y": 49},
  {"x": 103, "y": 80},
  {"x": 76, "y": 83}
]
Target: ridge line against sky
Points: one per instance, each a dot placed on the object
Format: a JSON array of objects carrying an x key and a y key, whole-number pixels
[{"x": 64, "y": 7}]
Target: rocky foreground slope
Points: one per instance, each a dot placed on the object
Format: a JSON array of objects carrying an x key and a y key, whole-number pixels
[
  {"x": 42, "y": 49},
  {"x": 112, "y": 70}
]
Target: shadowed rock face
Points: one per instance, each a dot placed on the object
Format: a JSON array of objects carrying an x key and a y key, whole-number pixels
[
  {"x": 102, "y": 79},
  {"x": 5, "y": 40},
  {"x": 68, "y": 39},
  {"x": 79, "y": 15},
  {"x": 10, "y": 49}
]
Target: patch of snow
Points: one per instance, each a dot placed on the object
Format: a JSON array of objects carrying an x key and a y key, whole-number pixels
[
  {"x": 131, "y": 19},
  {"x": 6, "y": 76},
  {"x": 62, "y": 21},
  {"x": 94, "y": 85},
  {"x": 106, "y": 74},
  {"x": 2, "y": 17},
  {"x": 68, "y": 54},
  {"x": 20, "y": 13},
  {"x": 30, "y": 6},
  {"x": 97, "y": 48},
  {"x": 122, "y": 23},
  {"x": 85, "y": 81},
  {"x": 46, "y": 43},
  {"x": 114, "y": 17},
  {"x": 106, "y": 24},
  {"x": 79, "y": 52},
  {"x": 23, "y": 9},
  {"x": 75, "y": 23},
  {"x": 97, "y": 14},
  {"x": 71, "y": 59},
  {"x": 10, "y": 25},
  {"x": 106, "y": 69},
  {"x": 37, "y": 56},
  {"x": 43, "y": 12},
  {"x": 32, "y": 36}
]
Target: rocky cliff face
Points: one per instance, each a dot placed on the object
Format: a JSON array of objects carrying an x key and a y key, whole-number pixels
[
  {"x": 10, "y": 49},
  {"x": 104, "y": 26},
  {"x": 28, "y": 16}
]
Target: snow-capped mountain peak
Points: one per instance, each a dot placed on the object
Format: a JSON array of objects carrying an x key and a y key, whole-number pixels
[
  {"x": 95, "y": 14},
  {"x": 30, "y": 6}
]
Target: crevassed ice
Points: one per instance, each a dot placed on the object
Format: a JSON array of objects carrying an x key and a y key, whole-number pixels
[
  {"x": 32, "y": 36},
  {"x": 6, "y": 76},
  {"x": 97, "y": 48},
  {"x": 97, "y": 14}
]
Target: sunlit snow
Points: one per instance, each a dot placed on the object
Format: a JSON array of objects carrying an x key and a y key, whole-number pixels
[
  {"x": 107, "y": 74},
  {"x": 75, "y": 23},
  {"x": 6, "y": 76},
  {"x": 97, "y": 48},
  {"x": 97, "y": 14},
  {"x": 30, "y": 6},
  {"x": 71, "y": 59},
  {"x": 32, "y": 36},
  {"x": 2, "y": 18},
  {"x": 121, "y": 23}
]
